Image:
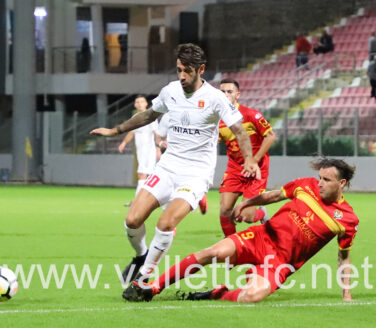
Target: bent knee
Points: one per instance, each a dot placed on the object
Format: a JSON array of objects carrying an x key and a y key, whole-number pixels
[
  {"x": 225, "y": 211},
  {"x": 133, "y": 221},
  {"x": 208, "y": 254},
  {"x": 167, "y": 223}
]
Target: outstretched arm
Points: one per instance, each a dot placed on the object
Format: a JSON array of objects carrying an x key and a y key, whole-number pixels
[
  {"x": 262, "y": 199},
  {"x": 136, "y": 121},
  {"x": 344, "y": 259},
  {"x": 250, "y": 164}
]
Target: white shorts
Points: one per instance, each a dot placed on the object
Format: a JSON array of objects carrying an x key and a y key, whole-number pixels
[
  {"x": 166, "y": 186},
  {"x": 146, "y": 161}
]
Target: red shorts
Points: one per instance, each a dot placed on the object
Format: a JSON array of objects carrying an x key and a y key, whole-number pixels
[
  {"x": 235, "y": 182},
  {"x": 254, "y": 246}
]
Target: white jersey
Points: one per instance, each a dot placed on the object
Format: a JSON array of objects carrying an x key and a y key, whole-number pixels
[
  {"x": 193, "y": 128},
  {"x": 163, "y": 126},
  {"x": 145, "y": 147}
]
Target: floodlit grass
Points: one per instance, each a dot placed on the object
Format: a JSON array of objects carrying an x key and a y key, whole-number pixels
[{"x": 76, "y": 229}]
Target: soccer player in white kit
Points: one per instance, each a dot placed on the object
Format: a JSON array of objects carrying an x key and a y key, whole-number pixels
[
  {"x": 161, "y": 141},
  {"x": 145, "y": 144},
  {"x": 185, "y": 171}
]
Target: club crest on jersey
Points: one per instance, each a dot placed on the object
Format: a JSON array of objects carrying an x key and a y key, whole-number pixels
[
  {"x": 338, "y": 214},
  {"x": 184, "y": 118},
  {"x": 201, "y": 104}
]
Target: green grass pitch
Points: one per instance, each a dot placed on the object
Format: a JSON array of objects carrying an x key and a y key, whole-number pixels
[{"x": 75, "y": 228}]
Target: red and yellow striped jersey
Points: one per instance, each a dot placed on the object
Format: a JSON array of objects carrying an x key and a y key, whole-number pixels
[
  {"x": 305, "y": 224},
  {"x": 256, "y": 126}
]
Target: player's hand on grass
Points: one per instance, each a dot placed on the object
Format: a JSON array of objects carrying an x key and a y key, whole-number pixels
[
  {"x": 346, "y": 295},
  {"x": 251, "y": 168},
  {"x": 103, "y": 132}
]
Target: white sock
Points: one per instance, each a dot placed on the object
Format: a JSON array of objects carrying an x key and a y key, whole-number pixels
[
  {"x": 158, "y": 248},
  {"x": 137, "y": 239},
  {"x": 140, "y": 183}
]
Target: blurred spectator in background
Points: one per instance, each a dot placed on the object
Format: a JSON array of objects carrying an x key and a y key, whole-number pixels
[
  {"x": 84, "y": 57},
  {"x": 371, "y": 72},
  {"x": 303, "y": 48},
  {"x": 325, "y": 45},
  {"x": 372, "y": 46}
]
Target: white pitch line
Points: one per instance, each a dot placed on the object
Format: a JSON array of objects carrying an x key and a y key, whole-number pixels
[{"x": 178, "y": 307}]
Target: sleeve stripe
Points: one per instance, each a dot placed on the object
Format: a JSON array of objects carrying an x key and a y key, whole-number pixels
[{"x": 267, "y": 131}]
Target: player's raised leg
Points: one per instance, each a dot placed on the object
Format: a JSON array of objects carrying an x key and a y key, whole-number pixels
[{"x": 141, "y": 208}]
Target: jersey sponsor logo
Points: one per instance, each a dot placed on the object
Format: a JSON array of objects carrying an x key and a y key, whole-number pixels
[
  {"x": 201, "y": 104},
  {"x": 338, "y": 214},
  {"x": 182, "y": 130},
  {"x": 233, "y": 107},
  {"x": 257, "y": 116},
  {"x": 301, "y": 224},
  {"x": 309, "y": 217}
]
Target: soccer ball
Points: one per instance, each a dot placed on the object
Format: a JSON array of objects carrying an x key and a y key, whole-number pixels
[{"x": 8, "y": 284}]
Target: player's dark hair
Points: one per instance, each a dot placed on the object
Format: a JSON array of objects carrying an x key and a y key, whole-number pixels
[
  {"x": 190, "y": 55},
  {"x": 140, "y": 96},
  {"x": 230, "y": 80},
  {"x": 345, "y": 171}
]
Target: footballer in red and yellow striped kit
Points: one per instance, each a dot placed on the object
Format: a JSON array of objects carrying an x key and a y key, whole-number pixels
[
  {"x": 257, "y": 127},
  {"x": 316, "y": 213},
  {"x": 234, "y": 183},
  {"x": 297, "y": 231}
]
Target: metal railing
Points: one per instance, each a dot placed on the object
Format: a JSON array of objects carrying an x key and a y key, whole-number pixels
[
  {"x": 336, "y": 135},
  {"x": 76, "y": 135}
]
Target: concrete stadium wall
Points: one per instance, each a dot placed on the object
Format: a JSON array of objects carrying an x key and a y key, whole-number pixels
[
  {"x": 97, "y": 170},
  {"x": 117, "y": 170}
]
